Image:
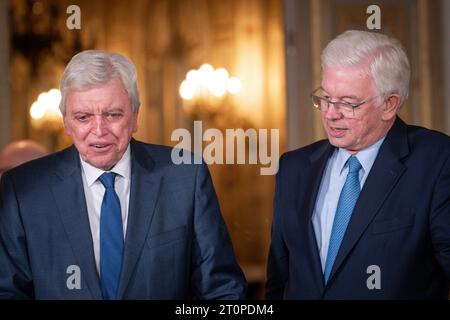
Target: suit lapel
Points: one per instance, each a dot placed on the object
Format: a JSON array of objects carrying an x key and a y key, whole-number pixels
[
  {"x": 386, "y": 171},
  {"x": 144, "y": 191},
  {"x": 69, "y": 197},
  {"x": 318, "y": 161}
]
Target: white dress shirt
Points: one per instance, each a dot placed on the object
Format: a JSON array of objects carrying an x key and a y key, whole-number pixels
[
  {"x": 330, "y": 189},
  {"x": 94, "y": 192}
]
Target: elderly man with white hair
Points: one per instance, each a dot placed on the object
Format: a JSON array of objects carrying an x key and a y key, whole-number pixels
[
  {"x": 364, "y": 214},
  {"x": 111, "y": 217}
]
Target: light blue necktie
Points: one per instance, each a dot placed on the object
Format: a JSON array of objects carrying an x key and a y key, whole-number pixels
[
  {"x": 111, "y": 238},
  {"x": 346, "y": 204}
]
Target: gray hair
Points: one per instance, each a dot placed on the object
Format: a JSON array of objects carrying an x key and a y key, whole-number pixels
[
  {"x": 93, "y": 68},
  {"x": 388, "y": 63}
]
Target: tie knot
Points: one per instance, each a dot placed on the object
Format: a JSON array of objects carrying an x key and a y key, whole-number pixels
[
  {"x": 353, "y": 164},
  {"x": 107, "y": 179}
]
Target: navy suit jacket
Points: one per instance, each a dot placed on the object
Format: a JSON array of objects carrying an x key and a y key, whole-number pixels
[
  {"x": 401, "y": 223},
  {"x": 176, "y": 247}
]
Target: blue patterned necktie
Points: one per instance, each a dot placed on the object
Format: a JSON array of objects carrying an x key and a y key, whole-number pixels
[
  {"x": 111, "y": 238},
  {"x": 347, "y": 200}
]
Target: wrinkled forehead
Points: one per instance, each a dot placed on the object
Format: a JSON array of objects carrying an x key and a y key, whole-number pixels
[
  {"x": 99, "y": 98},
  {"x": 348, "y": 81}
]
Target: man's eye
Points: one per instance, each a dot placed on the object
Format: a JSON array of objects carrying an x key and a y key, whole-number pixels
[
  {"x": 114, "y": 115},
  {"x": 82, "y": 118},
  {"x": 348, "y": 103}
]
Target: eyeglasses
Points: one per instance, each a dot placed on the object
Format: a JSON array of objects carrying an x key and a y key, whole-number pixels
[{"x": 322, "y": 103}]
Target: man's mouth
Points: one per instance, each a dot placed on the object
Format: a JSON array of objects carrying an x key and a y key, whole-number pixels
[
  {"x": 99, "y": 146},
  {"x": 336, "y": 132}
]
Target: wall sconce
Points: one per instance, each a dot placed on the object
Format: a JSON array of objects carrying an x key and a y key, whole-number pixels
[
  {"x": 205, "y": 91},
  {"x": 45, "y": 115}
]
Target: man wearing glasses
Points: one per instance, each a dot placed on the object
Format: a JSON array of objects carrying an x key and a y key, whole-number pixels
[{"x": 364, "y": 214}]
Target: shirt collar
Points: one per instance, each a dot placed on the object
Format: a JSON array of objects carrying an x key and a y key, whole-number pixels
[
  {"x": 122, "y": 168},
  {"x": 366, "y": 156}
]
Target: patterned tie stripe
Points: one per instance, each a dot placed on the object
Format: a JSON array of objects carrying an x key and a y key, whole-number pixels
[{"x": 347, "y": 200}]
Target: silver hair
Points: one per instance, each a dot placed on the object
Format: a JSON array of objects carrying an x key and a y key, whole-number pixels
[
  {"x": 93, "y": 68},
  {"x": 386, "y": 59}
]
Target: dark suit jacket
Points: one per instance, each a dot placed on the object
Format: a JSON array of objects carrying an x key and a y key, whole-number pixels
[
  {"x": 176, "y": 247},
  {"x": 401, "y": 223}
]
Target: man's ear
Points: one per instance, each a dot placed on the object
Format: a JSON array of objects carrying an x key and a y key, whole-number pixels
[
  {"x": 135, "y": 120},
  {"x": 67, "y": 128},
  {"x": 391, "y": 105}
]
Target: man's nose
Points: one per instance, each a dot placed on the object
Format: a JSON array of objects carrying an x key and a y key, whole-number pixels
[
  {"x": 333, "y": 112},
  {"x": 99, "y": 125}
]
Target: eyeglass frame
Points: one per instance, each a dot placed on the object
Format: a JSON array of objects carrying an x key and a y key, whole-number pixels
[{"x": 345, "y": 103}]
